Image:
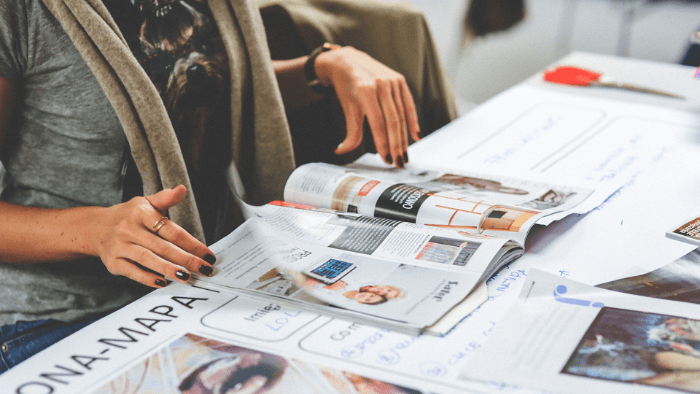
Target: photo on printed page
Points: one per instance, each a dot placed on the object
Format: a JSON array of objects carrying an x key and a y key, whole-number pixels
[
  {"x": 518, "y": 192},
  {"x": 513, "y": 191},
  {"x": 350, "y": 383},
  {"x": 197, "y": 365},
  {"x": 640, "y": 348},
  {"x": 445, "y": 250},
  {"x": 688, "y": 231},
  {"x": 678, "y": 281}
]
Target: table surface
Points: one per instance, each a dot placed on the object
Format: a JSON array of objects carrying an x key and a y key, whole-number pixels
[{"x": 677, "y": 79}]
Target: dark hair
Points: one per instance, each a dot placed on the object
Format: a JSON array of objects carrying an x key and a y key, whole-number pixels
[{"x": 489, "y": 16}]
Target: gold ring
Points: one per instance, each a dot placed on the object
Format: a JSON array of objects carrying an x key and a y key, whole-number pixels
[{"x": 159, "y": 224}]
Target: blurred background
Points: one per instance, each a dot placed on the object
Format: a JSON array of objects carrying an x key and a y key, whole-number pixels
[{"x": 501, "y": 50}]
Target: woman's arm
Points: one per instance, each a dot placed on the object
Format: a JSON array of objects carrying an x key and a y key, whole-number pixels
[
  {"x": 123, "y": 236},
  {"x": 365, "y": 89}
]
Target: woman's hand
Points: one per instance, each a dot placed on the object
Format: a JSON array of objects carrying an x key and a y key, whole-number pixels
[
  {"x": 367, "y": 88},
  {"x": 132, "y": 242}
]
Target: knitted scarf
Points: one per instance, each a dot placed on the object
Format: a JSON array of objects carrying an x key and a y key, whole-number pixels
[{"x": 261, "y": 143}]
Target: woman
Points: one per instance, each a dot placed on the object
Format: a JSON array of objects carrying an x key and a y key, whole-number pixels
[{"x": 96, "y": 101}]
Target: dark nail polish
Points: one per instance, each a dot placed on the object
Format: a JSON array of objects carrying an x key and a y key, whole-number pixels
[
  {"x": 388, "y": 159},
  {"x": 399, "y": 162},
  {"x": 184, "y": 275},
  {"x": 206, "y": 270},
  {"x": 210, "y": 258},
  {"x": 405, "y": 157},
  {"x": 420, "y": 134},
  {"x": 161, "y": 282}
]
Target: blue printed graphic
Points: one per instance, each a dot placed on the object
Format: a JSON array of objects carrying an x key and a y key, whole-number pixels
[{"x": 561, "y": 289}]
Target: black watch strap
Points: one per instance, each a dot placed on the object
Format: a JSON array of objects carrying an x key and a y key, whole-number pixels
[{"x": 310, "y": 70}]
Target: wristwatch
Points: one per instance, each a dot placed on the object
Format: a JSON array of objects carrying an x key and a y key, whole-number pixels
[{"x": 310, "y": 70}]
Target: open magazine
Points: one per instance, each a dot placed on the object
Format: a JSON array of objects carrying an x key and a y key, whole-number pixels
[
  {"x": 401, "y": 249},
  {"x": 474, "y": 204}
]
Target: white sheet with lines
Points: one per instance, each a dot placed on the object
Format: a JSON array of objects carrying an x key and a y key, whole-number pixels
[{"x": 639, "y": 158}]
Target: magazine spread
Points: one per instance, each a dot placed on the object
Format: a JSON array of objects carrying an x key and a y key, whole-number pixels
[
  {"x": 376, "y": 271},
  {"x": 467, "y": 203},
  {"x": 567, "y": 337},
  {"x": 399, "y": 248}
]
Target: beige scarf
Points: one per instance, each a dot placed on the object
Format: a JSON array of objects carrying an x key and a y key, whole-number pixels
[{"x": 261, "y": 144}]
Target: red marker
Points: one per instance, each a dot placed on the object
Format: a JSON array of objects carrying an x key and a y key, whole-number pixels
[{"x": 576, "y": 76}]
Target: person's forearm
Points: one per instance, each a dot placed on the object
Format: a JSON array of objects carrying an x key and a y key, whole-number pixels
[
  {"x": 133, "y": 239},
  {"x": 367, "y": 91},
  {"x": 34, "y": 235},
  {"x": 295, "y": 90}
]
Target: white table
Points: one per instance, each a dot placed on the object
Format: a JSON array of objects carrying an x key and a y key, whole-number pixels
[{"x": 83, "y": 363}]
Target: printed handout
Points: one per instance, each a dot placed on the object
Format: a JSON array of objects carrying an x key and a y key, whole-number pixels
[
  {"x": 568, "y": 337},
  {"x": 197, "y": 365}
]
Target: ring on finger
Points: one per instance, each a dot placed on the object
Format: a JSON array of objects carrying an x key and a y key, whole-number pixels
[{"x": 159, "y": 224}]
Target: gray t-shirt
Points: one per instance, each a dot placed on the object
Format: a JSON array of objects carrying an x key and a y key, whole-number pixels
[{"x": 64, "y": 148}]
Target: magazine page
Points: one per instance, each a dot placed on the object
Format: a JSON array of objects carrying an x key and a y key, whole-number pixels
[
  {"x": 626, "y": 151},
  {"x": 567, "y": 337},
  {"x": 402, "y": 242},
  {"x": 392, "y": 292},
  {"x": 193, "y": 364},
  {"x": 467, "y": 203},
  {"x": 687, "y": 231},
  {"x": 184, "y": 340},
  {"x": 678, "y": 280}
]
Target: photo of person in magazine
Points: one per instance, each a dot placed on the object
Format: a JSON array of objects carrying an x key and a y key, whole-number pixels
[
  {"x": 640, "y": 348},
  {"x": 197, "y": 365}
]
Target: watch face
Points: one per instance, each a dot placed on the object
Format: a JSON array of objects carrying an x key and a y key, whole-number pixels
[{"x": 310, "y": 70}]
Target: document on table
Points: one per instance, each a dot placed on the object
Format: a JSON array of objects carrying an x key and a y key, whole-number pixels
[
  {"x": 638, "y": 158},
  {"x": 567, "y": 337}
]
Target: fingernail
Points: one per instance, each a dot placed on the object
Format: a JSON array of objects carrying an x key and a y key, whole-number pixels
[
  {"x": 399, "y": 162},
  {"x": 184, "y": 275},
  {"x": 210, "y": 258},
  {"x": 420, "y": 134},
  {"x": 405, "y": 157},
  {"x": 206, "y": 270},
  {"x": 388, "y": 158},
  {"x": 161, "y": 282}
]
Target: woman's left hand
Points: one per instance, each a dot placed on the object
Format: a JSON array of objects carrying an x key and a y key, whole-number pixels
[{"x": 368, "y": 88}]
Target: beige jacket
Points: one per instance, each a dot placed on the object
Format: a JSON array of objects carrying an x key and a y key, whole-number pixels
[
  {"x": 261, "y": 144},
  {"x": 394, "y": 33}
]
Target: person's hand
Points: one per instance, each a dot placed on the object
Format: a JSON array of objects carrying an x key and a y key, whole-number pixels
[
  {"x": 132, "y": 242},
  {"x": 367, "y": 88}
]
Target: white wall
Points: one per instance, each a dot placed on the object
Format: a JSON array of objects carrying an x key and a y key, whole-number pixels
[{"x": 553, "y": 28}]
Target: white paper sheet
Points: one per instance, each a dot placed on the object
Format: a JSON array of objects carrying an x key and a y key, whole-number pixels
[{"x": 567, "y": 337}]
